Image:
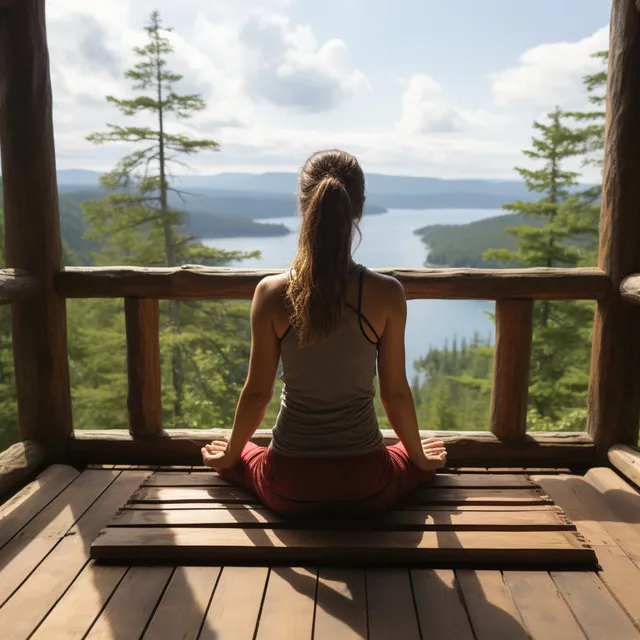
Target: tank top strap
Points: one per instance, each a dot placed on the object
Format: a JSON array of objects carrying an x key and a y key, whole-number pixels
[{"x": 361, "y": 317}]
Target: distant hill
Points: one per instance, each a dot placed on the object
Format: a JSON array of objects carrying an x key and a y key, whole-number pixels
[
  {"x": 463, "y": 245},
  {"x": 385, "y": 191}
]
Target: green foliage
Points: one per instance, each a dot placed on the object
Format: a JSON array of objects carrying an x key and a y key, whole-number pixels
[
  {"x": 453, "y": 391},
  {"x": 464, "y": 245},
  {"x": 204, "y": 346}
]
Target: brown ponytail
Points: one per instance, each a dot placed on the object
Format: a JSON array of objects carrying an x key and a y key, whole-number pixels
[{"x": 331, "y": 199}]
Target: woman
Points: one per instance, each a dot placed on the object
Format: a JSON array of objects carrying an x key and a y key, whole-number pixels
[{"x": 331, "y": 321}]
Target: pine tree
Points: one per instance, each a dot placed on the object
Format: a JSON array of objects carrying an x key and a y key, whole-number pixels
[
  {"x": 136, "y": 223},
  {"x": 558, "y": 327}
]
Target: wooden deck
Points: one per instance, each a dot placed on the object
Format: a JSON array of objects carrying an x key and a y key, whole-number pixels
[
  {"x": 460, "y": 520},
  {"x": 49, "y": 588}
]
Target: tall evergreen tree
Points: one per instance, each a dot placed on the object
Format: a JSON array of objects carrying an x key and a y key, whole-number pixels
[
  {"x": 137, "y": 223},
  {"x": 556, "y": 376}
]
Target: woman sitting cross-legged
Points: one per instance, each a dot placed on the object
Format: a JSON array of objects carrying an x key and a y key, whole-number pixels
[{"x": 333, "y": 322}]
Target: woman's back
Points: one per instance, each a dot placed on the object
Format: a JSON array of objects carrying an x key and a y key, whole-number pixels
[{"x": 327, "y": 401}]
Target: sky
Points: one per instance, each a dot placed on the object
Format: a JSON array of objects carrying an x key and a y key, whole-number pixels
[{"x": 448, "y": 89}]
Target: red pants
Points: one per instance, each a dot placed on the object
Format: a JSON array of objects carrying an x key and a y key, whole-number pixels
[{"x": 366, "y": 484}]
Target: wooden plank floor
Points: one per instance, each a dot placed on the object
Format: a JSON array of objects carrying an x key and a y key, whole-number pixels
[
  {"x": 194, "y": 518},
  {"x": 57, "y": 591}
]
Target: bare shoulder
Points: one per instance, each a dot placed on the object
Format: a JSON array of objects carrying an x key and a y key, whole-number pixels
[
  {"x": 271, "y": 290},
  {"x": 387, "y": 288}
]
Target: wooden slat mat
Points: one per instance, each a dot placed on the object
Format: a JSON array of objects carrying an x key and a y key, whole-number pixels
[{"x": 460, "y": 520}]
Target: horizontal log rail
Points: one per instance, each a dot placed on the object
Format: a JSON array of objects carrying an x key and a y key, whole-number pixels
[
  {"x": 16, "y": 284},
  {"x": 19, "y": 463},
  {"x": 468, "y": 449},
  {"x": 630, "y": 289},
  {"x": 201, "y": 283},
  {"x": 627, "y": 461},
  {"x": 513, "y": 289}
]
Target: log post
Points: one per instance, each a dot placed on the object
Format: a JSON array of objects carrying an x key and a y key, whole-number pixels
[
  {"x": 614, "y": 390},
  {"x": 512, "y": 362},
  {"x": 32, "y": 226},
  {"x": 142, "y": 319}
]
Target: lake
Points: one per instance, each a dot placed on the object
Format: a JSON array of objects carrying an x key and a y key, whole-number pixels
[{"x": 388, "y": 241}]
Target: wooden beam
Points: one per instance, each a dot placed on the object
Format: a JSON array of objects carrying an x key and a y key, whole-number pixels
[
  {"x": 614, "y": 394},
  {"x": 512, "y": 362},
  {"x": 16, "y": 284},
  {"x": 32, "y": 227},
  {"x": 630, "y": 289},
  {"x": 471, "y": 449},
  {"x": 142, "y": 319},
  {"x": 19, "y": 463},
  {"x": 627, "y": 461},
  {"x": 196, "y": 283}
]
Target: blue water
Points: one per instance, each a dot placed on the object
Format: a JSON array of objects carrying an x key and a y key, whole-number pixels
[{"x": 388, "y": 241}]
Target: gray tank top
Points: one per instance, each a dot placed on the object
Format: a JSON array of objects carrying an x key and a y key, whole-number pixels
[{"x": 326, "y": 408}]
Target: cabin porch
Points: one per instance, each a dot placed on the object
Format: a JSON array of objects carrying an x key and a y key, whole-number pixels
[
  {"x": 50, "y": 587},
  {"x": 60, "y": 488}
]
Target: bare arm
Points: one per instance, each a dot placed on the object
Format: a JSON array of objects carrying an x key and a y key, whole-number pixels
[
  {"x": 258, "y": 388},
  {"x": 395, "y": 392}
]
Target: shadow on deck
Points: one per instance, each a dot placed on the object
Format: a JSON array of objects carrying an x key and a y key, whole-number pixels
[{"x": 49, "y": 588}]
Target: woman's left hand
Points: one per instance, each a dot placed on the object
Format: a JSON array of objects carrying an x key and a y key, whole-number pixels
[{"x": 216, "y": 455}]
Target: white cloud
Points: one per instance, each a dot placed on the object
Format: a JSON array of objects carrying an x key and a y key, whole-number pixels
[
  {"x": 427, "y": 109},
  {"x": 290, "y": 69},
  {"x": 550, "y": 74}
]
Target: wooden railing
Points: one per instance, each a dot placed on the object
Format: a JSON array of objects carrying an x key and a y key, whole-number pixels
[
  {"x": 32, "y": 236},
  {"x": 513, "y": 290}
]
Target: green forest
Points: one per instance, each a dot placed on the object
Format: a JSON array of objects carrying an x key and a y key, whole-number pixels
[{"x": 135, "y": 218}]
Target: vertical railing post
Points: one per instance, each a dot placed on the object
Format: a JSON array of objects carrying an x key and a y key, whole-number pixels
[
  {"x": 144, "y": 399},
  {"x": 614, "y": 390},
  {"x": 512, "y": 362},
  {"x": 32, "y": 226}
]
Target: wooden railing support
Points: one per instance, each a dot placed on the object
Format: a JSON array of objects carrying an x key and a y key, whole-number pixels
[
  {"x": 512, "y": 362},
  {"x": 16, "y": 285},
  {"x": 630, "y": 289},
  {"x": 614, "y": 393},
  {"x": 144, "y": 399},
  {"x": 627, "y": 461},
  {"x": 32, "y": 227}
]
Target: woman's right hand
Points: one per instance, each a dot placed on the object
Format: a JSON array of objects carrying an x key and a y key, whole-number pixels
[{"x": 434, "y": 455}]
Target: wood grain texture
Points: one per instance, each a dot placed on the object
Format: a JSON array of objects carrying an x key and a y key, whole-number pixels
[
  {"x": 192, "y": 282},
  {"x": 412, "y": 520},
  {"x": 235, "y": 607},
  {"x": 511, "y": 366},
  {"x": 82, "y": 603},
  {"x": 543, "y": 609},
  {"x": 390, "y": 608},
  {"x": 289, "y": 603},
  {"x": 16, "y": 512},
  {"x": 181, "y": 610},
  {"x": 20, "y": 462},
  {"x": 614, "y": 390},
  {"x": 630, "y": 289},
  {"x": 341, "y": 605},
  {"x": 467, "y": 480},
  {"x": 594, "y": 607},
  {"x": 341, "y": 548},
  {"x": 144, "y": 399},
  {"x": 32, "y": 226},
  {"x": 17, "y": 284},
  {"x": 182, "y": 446},
  {"x": 422, "y": 496},
  {"x": 491, "y": 609},
  {"x": 627, "y": 461},
  {"x": 132, "y": 605},
  {"x": 439, "y": 605}
]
